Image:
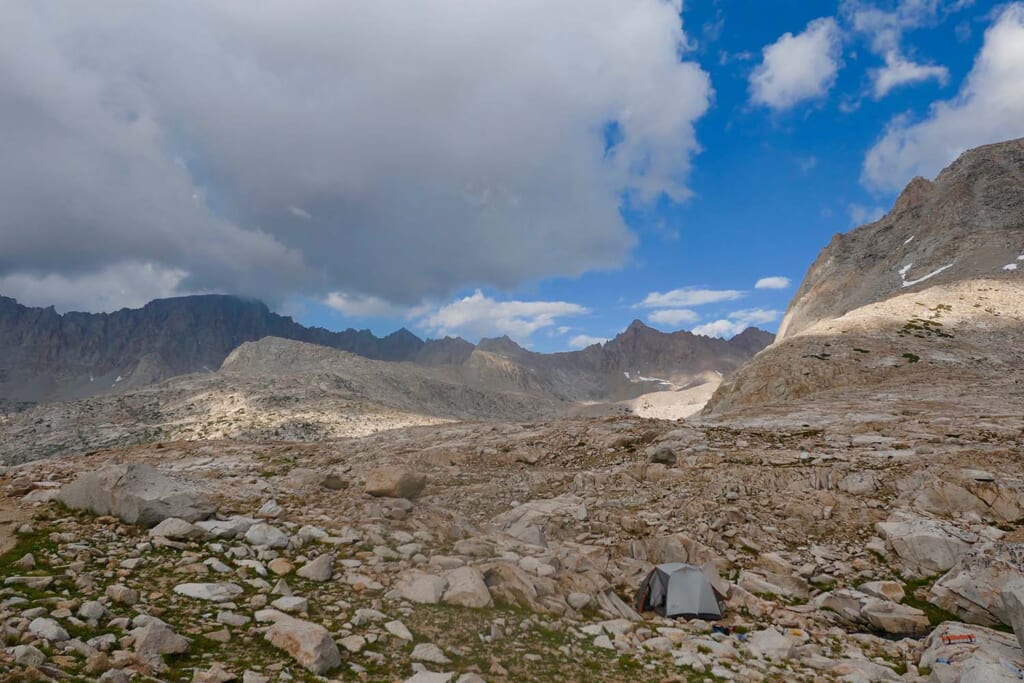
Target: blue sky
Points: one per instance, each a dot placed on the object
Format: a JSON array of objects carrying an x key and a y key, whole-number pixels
[
  {"x": 549, "y": 171},
  {"x": 770, "y": 186}
]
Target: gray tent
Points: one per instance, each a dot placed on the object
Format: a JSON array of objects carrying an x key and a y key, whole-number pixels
[{"x": 679, "y": 590}]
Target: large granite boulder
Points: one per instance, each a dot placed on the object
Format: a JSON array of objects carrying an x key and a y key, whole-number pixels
[
  {"x": 973, "y": 589},
  {"x": 394, "y": 482},
  {"x": 925, "y": 546},
  {"x": 136, "y": 493},
  {"x": 1013, "y": 606}
]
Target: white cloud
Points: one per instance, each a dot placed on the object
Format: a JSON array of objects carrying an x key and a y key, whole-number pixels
[
  {"x": 860, "y": 214},
  {"x": 688, "y": 296},
  {"x": 357, "y": 305},
  {"x": 798, "y": 68},
  {"x": 674, "y": 317},
  {"x": 423, "y": 145},
  {"x": 582, "y": 341},
  {"x": 884, "y": 31},
  {"x": 988, "y": 108},
  {"x": 736, "y": 322},
  {"x": 773, "y": 282},
  {"x": 478, "y": 316},
  {"x": 118, "y": 286},
  {"x": 899, "y": 71}
]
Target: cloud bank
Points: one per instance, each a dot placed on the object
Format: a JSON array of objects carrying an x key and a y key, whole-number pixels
[{"x": 391, "y": 151}]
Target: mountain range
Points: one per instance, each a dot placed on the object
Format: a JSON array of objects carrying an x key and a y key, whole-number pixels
[{"x": 46, "y": 356}]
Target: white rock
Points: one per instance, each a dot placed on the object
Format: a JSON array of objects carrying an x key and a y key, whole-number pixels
[
  {"x": 466, "y": 587},
  {"x": 291, "y": 604},
  {"x": 48, "y": 629},
  {"x": 321, "y": 569},
  {"x": 399, "y": 630},
  {"x": 264, "y": 535},
  {"x": 426, "y": 589},
  {"x": 177, "y": 529},
  {"x": 214, "y": 592},
  {"x": 137, "y": 493},
  {"x": 309, "y": 644},
  {"x": 428, "y": 652}
]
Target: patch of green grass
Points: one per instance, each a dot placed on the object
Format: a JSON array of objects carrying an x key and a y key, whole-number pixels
[
  {"x": 936, "y": 615},
  {"x": 912, "y": 357}
]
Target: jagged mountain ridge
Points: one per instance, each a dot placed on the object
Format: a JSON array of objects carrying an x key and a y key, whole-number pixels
[
  {"x": 928, "y": 301},
  {"x": 46, "y": 356},
  {"x": 967, "y": 223}
]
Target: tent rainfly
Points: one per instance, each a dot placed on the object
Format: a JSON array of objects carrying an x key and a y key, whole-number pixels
[{"x": 679, "y": 590}]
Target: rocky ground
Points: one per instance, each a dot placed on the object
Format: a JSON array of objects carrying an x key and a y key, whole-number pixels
[{"x": 496, "y": 551}]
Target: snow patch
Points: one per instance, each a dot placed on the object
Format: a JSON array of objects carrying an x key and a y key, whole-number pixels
[
  {"x": 909, "y": 240},
  {"x": 910, "y": 283},
  {"x": 1010, "y": 266},
  {"x": 118, "y": 379},
  {"x": 1021, "y": 257},
  {"x": 904, "y": 270}
]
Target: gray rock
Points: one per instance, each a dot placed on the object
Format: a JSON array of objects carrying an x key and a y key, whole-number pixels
[
  {"x": 422, "y": 588},
  {"x": 177, "y": 529},
  {"x": 137, "y": 494},
  {"x": 399, "y": 630},
  {"x": 48, "y": 629},
  {"x": 466, "y": 587},
  {"x": 321, "y": 569},
  {"x": 428, "y": 652},
  {"x": 307, "y": 643},
  {"x": 394, "y": 482},
  {"x": 266, "y": 536},
  {"x": 123, "y": 594},
  {"x": 925, "y": 546},
  {"x": 1013, "y": 606},
  {"x": 214, "y": 592},
  {"x": 156, "y": 638},
  {"x": 663, "y": 455},
  {"x": 27, "y": 655}
]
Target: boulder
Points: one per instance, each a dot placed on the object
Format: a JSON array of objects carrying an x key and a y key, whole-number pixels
[
  {"x": 137, "y": 494},
  {"x": 533, "y": 522},
  {"x": 769, "y": 644},
  {"x": 992, "y": 498},
  {"x": 155, "y": 638},
  {"x": 394, "y": 482},
  {"x": 266, "y": 536},
  {"x": 926, "y": 547},
  {"x": 321, "y": 569},
  {"x": 980, "y": 662},
  {"x": 307, "y": 643},
  {"x": 1013, "y": 606},
  {"x": 426, "y": 589},
  {"x": 466, "y": 587},
  {"x": 48, "y": 629},
  {"x": 662, "y": 455},
  {"x": 895, "y": 619},
  {"x": 428, "y": 652},
  {"x": 972, "y": 589}
]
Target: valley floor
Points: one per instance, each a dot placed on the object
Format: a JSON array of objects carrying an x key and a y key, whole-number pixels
[{"x": 849, "y": 535}]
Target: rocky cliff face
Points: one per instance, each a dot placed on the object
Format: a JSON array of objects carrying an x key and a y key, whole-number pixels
[
  {"x": 926, "y": 301},
  {"x": 967, "y": 223}
]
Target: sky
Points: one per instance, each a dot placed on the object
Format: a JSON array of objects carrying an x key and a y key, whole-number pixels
[{"x": 546, "y": 170}]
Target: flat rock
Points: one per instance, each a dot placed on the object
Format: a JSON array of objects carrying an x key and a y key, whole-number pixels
[
  {"x": 137, "y": 494},
  {"x": 214, "y": 592}
]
